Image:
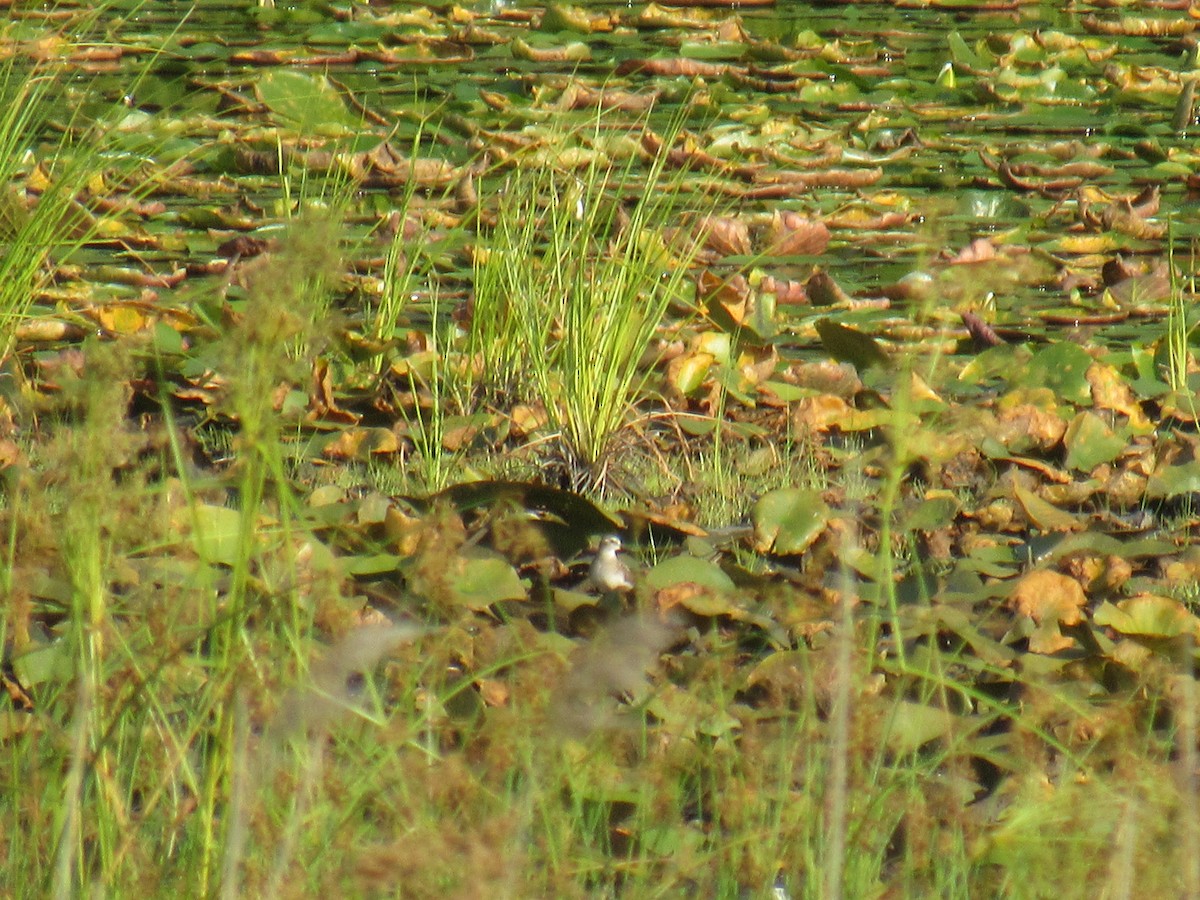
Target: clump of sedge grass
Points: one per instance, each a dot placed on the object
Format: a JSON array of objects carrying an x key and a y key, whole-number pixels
[{"x": 571, "y": 289}]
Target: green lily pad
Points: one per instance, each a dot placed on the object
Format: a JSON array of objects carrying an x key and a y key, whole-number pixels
[
  {"x": 486, "y": 580},
  {"x": 50, "y": 663},
  {"x": 303, "y": 101},
  {"x": 850, "y": 345},
  {"x": 915, "y": 724},
  {"x": 683, "y": 569},
  {"x": 1171, "y": 481},
  {"x": 372, "y": 565},
  {"x": 217, "y": 533},
  {"x": 697, "y": 585},
  {"x": 933, "y": 512},
  {"x": 1062, "y": 368},
  {"x": 569, "y": 601},
  {"x": 1090, "y": 442},
  {"x": 789, "y": 520}
]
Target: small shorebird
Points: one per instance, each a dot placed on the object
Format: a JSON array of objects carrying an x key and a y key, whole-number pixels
[{"x": 608, "y": 572}]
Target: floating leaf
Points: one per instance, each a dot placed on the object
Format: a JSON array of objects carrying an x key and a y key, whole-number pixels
[
  {"x": 791, "y": 234},
  {"x": 218, "y": 533},
  {"x": 1172, "y": 481},
  {"x": 933, "y": 512},
  {"x": 572, "y": 52},
  {"x": 689, "y": 570},
  {"x": 789, "y": 520},
  {"x": 49, "y": 663},
  {"x": 912, "y": 725},
  {"x": 1148, "y": 616},
  {"x": 1090, "y": 442},
  {"x": 695, "y": 598},
  {"x": 372, "y": 565},
  {"x": 569, "y": 601},
  {"x": 848, "y": 345},
  {"x": 1049, "y": 598},
  {"x": 484, "y": 581},
  {"x": 305, "y": 101},
  {"x": 1062, "y": 368},
  {"x": 1045, "y": 516},
  {"x": 564, "y": 17}
]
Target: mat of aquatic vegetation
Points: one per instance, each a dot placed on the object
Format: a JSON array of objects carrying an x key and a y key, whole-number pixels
[{"x": 944, "y": 260}]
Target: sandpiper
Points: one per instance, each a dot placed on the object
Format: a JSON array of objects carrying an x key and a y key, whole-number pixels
[{"x": 608, "y": 572}]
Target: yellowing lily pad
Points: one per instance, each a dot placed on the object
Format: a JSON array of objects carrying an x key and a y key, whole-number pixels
[
  {"x": 1049, "y": 599},
  {"x": 1148, "y": 616},
  {"x": 1046, "y": 516}
]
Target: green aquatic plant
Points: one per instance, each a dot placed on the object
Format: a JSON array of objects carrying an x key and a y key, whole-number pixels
[
  {"x": 41, "y": 177},
  {"x": 571, "y": 289}
]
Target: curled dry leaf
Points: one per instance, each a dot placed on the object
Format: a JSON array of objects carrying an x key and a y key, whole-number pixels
[
  {"x": 527, "y": 419},
  {"x": 48, "y": 331},
  {"x": 10, "y": 454},
  {"x": 819, "y": 414},
  {"x": 725, "y": 235},
  {"x": 494, "y": 693},
  {"x": 385, "y": 166},
  {"x": 792, "y": 184},
  {"x": 362, "y": 443},
  {"x": 245, "y": 246},
  {"x": 1111, "y": 391},
  {"x": 580, "y": 96},
  {"x": 1079, "y": 169},
  {"x": 1146, "y": 203},
  {"x": 1048, "y": 188},
  {"x": 981, "y": 332},
  {"x": 822, "y": 290},
  {"x": 730, "y": 291},
  {"x": 827, "y": 377},
  {"x": 560, "y": 17},
  {"x": 672, "y": 68},
  {"x": 695, "y": 598},
  {"x": 1121, "y": 217},
  {"x": 791, "y": 234},
  {"x": 788, "y": 292},
  {"x": 1025, "y": 422},
  {"x": 979, "y": 250},
  {"x": 322, "y": 405},
  {"x": 1138, "y": 26},
  {"x": 858, "y": 219},
  {"x": 1118, "y": 269}
]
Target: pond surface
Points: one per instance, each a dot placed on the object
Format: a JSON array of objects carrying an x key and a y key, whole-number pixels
[{"x": 909, "y": 130}]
